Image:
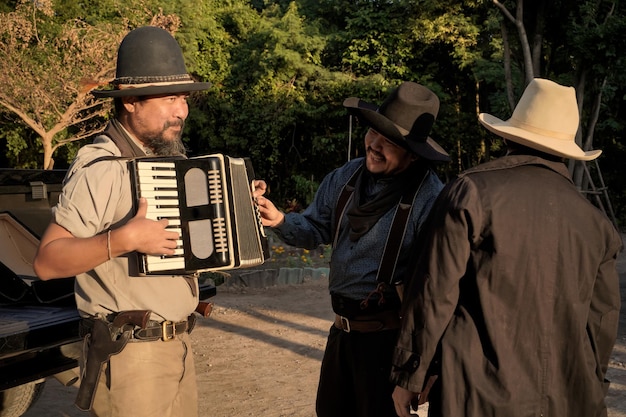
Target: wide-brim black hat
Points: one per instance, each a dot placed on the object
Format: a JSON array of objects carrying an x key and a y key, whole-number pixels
[
  {"x": 150, "y": 62},
  {"x": 406, "y": 117}
]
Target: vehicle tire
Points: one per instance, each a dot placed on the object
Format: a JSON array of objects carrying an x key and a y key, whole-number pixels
[{"x": 15, "y": 401}]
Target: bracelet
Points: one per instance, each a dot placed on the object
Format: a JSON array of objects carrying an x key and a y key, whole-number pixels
[{"x": 109, "y": 243}]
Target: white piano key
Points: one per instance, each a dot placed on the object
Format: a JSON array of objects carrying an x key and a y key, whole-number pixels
[
  {"x": 155, "y": 165},
  {"x": 153, "y": 194},
  {"x": 155, "y": 213},
  {"x": 158, "y": 263},
  {"x": 157, "y": 183}
]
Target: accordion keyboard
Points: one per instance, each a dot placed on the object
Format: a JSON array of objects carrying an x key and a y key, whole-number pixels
[{"x": 158, "y": 185}]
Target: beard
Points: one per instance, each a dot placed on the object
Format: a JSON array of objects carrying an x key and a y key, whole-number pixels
[{"x": 166, "y": 147}]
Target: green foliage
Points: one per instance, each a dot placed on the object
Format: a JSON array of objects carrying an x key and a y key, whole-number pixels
[
  {"x": 281, "y": 69},
  {"x": 274, "y": 99},
  {"x": 19, "y": 151}
]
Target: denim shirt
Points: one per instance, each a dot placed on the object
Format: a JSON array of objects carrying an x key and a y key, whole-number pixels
[{"x": 354, "y": 265}]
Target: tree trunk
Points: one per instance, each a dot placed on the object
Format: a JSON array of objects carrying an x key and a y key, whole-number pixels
[
  {"x": 46, "y": 141},
  {"x": 510, "y": 94},
  {"x": 537, "y": 44},
  {"x": 577, "y": 170},
  {"x": 518, "y": 21}
]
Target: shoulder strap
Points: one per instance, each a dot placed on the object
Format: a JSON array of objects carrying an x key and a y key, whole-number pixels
[
  {"x": 106, "y": 158},
  {"x": 125, "y": 144}
]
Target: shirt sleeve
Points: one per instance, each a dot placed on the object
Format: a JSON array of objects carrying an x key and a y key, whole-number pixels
[
  {"x": 314, "y": 226},
  {"x": 91, "y": 198}
]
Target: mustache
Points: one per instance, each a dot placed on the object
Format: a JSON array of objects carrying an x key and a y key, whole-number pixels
[
  {"x": 377, "y": 154},
  {"x": 178, "y": 123}
]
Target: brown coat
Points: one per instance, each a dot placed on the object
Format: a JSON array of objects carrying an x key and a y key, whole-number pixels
[{"x": 516, "y": 297}]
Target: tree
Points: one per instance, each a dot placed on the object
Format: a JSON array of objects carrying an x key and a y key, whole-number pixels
[
  {"x": 583, "y": 51},
  {"x": 272, "y": 104},
  {"x": 281, "y": 69},
  {"x": 47, "y": 69},
  {"x": 43, "y": 77}
]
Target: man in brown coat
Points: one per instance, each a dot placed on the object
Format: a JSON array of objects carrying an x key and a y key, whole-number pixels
[{"x": 514, "y": 305}]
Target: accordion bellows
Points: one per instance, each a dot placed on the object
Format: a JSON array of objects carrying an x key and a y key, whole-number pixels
[{"x": 208, "y": 201}]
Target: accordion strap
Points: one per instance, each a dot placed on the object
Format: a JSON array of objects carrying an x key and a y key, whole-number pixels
[{"x": 126, "y": 145}]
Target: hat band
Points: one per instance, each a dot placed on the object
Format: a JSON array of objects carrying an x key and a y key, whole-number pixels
[
  {"x": 543, "y": 132},
  {"x": 129, "y": 86},
  {"x": 152, "y": 79}
]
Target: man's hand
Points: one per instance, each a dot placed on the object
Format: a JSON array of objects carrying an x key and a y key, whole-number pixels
[
  {"x": 270, "y": 215},
  {"x": 402, "y": 400},
  {"x": 145, "y": 235},
  {"x": 259, "y": 187}
]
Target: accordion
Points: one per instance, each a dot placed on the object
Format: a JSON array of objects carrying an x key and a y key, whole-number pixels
[{"x": 208, "y": 201}]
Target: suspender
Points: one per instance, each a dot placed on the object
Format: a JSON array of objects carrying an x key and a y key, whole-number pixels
[
  {"x": 342, "y": 202},
  {"x": 397, "y": 230}
]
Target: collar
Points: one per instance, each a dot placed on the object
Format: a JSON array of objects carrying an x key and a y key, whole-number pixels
[
  {"x": 140, "y": 145},
  {"x": 512, "y": 161}
]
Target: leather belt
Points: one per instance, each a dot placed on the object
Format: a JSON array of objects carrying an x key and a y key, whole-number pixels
[
  {"x": 155, "y": 330},
  {"x": 166, "y": 330},
  {"x": 385, "y": 320}
]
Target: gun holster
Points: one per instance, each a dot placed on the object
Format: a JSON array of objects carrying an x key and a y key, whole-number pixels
[{"x": 104, "y": 341}]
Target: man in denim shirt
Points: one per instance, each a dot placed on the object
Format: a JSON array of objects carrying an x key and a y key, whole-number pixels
[{"x": 354, "y": 379}]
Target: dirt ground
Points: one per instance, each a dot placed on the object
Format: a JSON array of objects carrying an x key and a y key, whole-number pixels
[{"x": 259, "y": 354}]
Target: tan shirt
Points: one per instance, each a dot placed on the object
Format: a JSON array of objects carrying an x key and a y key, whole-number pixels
[{"x": 97, "y": 198}]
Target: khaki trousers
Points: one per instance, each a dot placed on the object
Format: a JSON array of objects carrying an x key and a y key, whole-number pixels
[{"x": 149, "y": 379}]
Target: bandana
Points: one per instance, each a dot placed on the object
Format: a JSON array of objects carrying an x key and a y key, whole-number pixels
[{"x": 369, "y": 203}]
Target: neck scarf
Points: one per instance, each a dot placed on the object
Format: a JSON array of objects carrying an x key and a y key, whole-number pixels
[{"x": 369, "y": 203}]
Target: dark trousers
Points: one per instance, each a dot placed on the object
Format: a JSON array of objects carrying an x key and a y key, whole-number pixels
[{"x": 354, "y": 378}]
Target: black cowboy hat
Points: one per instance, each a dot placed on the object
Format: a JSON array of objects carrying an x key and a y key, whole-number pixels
[
  {"x": 150, "y": 62},
  {"x": 405, "y": 117}
]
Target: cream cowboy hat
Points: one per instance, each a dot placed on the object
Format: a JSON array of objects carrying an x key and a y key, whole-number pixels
[
  {"x": 150, "y": 62},
  {"x": 546, "y": 119},
  {"x": 405, "y": 117}
]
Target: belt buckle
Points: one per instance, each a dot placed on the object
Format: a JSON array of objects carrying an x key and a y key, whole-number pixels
[
  {"x": 164, "y": 335},
  {"x": 345, "y": 324}
]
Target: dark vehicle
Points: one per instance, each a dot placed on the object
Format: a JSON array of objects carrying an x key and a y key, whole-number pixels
[{"x": 39, "y": 335}]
